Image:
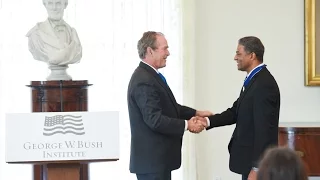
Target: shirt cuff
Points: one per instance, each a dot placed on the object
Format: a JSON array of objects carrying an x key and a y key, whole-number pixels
[
  {"x": 255, "y": 169},
  {"x": 186, "y": 125},
  {"x": 208, "y": 121}
]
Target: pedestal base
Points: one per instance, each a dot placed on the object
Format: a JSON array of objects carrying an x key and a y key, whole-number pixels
[
  {"x": 64, "y": 171},
  {"x": 58, "y": 73}
]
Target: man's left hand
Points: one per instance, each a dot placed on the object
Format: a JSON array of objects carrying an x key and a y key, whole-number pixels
[{"x": 252, "y": 175}]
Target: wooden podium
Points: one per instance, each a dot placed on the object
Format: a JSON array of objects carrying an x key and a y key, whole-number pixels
[
  {"x": 60, "y": 96},
  {"x": 60, "y": 137}
]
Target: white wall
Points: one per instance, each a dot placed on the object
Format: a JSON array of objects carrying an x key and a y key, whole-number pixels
[{"x": 218, "y": 26}]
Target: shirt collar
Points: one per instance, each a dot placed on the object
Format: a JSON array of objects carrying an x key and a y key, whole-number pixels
[
  {"x": 254, "y": 69},
  {"x": 151, "y": 66}
]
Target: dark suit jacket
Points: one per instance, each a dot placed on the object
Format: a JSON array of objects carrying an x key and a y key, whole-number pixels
[
  {"x": 256, "y": 114},
  {"x": 157, "y": 123}
]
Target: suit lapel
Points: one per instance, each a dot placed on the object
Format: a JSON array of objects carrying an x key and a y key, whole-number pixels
[
  {"x": 168, "y": 90},
  {"x": 243, "y": 93},
  {"x": 162, "y": 83}
]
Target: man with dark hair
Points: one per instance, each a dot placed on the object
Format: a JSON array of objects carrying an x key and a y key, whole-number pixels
[
  {"x": 281, "y": 163},
  {"x": 157, "y": 121},
  {"x": 255, "y": 112}
]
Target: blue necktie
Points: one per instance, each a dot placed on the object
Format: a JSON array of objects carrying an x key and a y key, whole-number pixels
[
  {"x": 255, "y": 71},
  {"x": 163, "y": 78}
]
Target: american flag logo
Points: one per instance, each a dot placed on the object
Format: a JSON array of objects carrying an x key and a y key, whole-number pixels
[{"x": 63, "y": 124}]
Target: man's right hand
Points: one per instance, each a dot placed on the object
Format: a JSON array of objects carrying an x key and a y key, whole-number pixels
[
  {"x": 204, "y": 121},
  {"x": 195, "y": 125}
]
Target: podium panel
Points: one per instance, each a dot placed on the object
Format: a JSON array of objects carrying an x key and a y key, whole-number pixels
[{"x": 61, "y": 144}]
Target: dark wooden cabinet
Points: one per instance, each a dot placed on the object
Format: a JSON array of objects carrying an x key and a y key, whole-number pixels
[
  {"x": 59, "y": 96},
  {"x": 304, "y": 138}
]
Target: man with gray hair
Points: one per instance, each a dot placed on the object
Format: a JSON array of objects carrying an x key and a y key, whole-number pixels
[
  {"x": 157, "y": 121},
  {"x": 54, "y": 41}
]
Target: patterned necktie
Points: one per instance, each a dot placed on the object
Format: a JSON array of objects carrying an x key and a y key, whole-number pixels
[{"x": 163, "y": 78}]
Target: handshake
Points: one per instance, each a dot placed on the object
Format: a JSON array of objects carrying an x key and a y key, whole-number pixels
[{"x": 199, "y": 122}]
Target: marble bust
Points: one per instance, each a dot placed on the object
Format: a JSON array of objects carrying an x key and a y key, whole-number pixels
[{"x": 54, "y": 41}]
